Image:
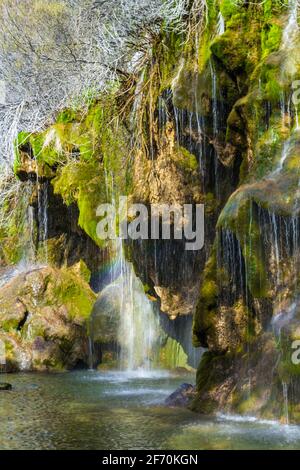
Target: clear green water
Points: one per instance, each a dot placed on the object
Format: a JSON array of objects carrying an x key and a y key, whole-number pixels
[{"x": 92, "y": 410}]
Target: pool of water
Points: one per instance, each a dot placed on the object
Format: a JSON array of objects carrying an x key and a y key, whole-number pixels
[{"x": 93, "y": 410}]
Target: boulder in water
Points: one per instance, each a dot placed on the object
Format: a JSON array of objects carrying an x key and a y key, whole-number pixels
[
  {"x": 5, "y": 386},
  {"x": 182, "y": 395}
]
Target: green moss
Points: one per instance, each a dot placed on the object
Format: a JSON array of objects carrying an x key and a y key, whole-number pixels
[
  {"x": 86, "y": 184},
  {"x": 76, "y": 136},
  {"x": 186, "y": 160},
  {"x": 73, "y": 292},
  {"x": 272, "y": 87},
  {"x": 21, "y": 141},
  {"x": 51, "y": 364},
  {"x": 172, "y": 355},
  {"x": 83, "y": 183},
  {"x": 95, "y": 147},
  {"x": 268, "y": 147},
  {"x": 208, "y": 301},
  {"x": 14, "y": 229},
  {"x": 229, "y": 8},
  {"x": 274, "y": 7},
  {"x": 212, "y": 13},
  {"x": 210, "y": 203},
  {"x": 147, "y": 288},
  {"x": 67, "y": 116},
  {"x": 247, "y": 404},
  {"x": 82, "y": 271},
  {"x": 210, "y": 373},
  {"x": 271, "y": 38},
  {"x": 168, "y": 53},
  {"x": 239, "y": 216},
  {"x": 9, "y": 325},
  {"x": 287, "y": 370},
  {"x": 209, "y": 290},
  {"x": 88, "y": 201},
  {"x": 242, "y": 58}
]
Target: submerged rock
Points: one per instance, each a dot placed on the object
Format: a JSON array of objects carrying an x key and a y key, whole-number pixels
[
  {"x": 182, "y": 395},
  {"x": 5, "y": 386}
]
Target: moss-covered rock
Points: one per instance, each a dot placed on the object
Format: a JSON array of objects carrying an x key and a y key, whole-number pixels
[{"x": 44, "y": 317}]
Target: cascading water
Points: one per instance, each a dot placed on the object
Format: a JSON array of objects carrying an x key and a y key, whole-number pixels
[
  {"x": 291, "y": 30},
  {"x": 215, "y": 116},
  {"x": 27, "y": 235},
  {"x": 283, "y": 318},
  {"x": 285, "y": 401},
  {"x": 284, "y": 156},
  {"x": 288, "y": 44},
  {"x": 221, "y": 24},
  {"x": 138, "y": 325},
  {"x": 35, "y": 226},
  {"x": 42, "y": 191}
]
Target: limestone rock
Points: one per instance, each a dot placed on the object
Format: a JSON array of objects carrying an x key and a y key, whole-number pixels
[{"x": 43, "y": 313}]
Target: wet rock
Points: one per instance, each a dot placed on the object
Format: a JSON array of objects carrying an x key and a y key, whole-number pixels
[
  {"x": 182, "y": 395},
  {"x": 172, "y": 178},
  {"x": 105, "y": 315},
  {"x": 5, "y": 386}
]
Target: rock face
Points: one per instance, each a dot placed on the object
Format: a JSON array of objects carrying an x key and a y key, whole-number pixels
[
  {"x": 169, "y": 175},
  {"x": 43, "y": 314}
]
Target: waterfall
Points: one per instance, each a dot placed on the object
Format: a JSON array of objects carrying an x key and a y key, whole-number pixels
[
  {"x": 285, "y": 401},
  {"x": 137, "y": 329},
  {"x": 284, "y": 243},
  {"x": 138, "y": 325},
  {"x": 291, "y": 29},
  {"x": 214, "y": 99},
  {"x": 28, "y": 235},
  {"x": 284, "y": 155},
  {"x": 128, "y": 325},
  {"x": 189, "y": 127},
  {"x": 2, "y": 357},
  {"x": 288, "y": 45},
  {"x": 25, "y": 226},
  {"x": 283, "y": 318},
  {"x": 230, "y": 256},
  {"x": 221, "y": 24},
  {"x": 30, "y": 254},
  {"x": 217, "y": 113},
  {"x": 43, "y": 219}
]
